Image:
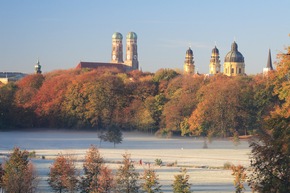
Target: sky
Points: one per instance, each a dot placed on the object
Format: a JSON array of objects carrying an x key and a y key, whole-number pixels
[{"x": 61, "y": 33}]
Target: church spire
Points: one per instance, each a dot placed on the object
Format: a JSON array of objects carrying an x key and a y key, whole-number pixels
[{"x": 269, "y": 63}]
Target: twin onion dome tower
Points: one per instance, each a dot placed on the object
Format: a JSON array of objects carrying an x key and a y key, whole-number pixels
[
  {"x": 131, "y": 50},
  {"x": 234, "y": 63},
  {"x": 117, "y": 61}
]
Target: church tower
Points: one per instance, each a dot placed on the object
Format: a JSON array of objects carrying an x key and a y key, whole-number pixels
[
  {"x": 131, "y": 51},
  {"x": 269, "y": 66},
  {"x": 234, "y": 62},
  {"x": 188, "y": 66},
  {"x": 117, "y": 48},
  {"x": 37, "y": 68},
  {"x": 215, "y": 63}
]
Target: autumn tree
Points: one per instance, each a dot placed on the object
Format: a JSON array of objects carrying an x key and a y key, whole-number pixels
[
  {"x": 271, "y": 149},
  {"x": 240, "y": 177},
  {"x": 150, "y": 184},
  {"x": 220, "y": 111},
  {"x": 63, "y": 176},
  {"x": 105, "y": 180},
  {"x": 127, "y": 177},
  {"x": 180, "y": 183},
  {"x": 19, "y": 173},
  {"x": 92, "y": 166}
]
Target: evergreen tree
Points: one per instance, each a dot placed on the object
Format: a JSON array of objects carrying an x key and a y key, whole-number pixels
[
  {"x": 180, "y": 184},
  {"x": 19, "y": 175},
  {"x": 127, "y": 177},
  {"x": 62, "y": 176},
  {"x": 151, "y": 184}
]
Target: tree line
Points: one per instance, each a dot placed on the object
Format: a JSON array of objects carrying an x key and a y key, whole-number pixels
[
  {"x": 18, "y": 174},
  {"x": 164, "y": 102}
]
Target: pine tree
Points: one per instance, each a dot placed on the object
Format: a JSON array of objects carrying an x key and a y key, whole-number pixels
[
  {"x": 63, "y": 175},
  {"x": 20, "y": 175},
  {"x": 127, "y": 177},
  {"x": 151, "y": 184},
  {"x": 180, "y": 184}
]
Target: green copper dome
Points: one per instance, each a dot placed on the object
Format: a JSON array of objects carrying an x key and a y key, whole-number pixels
[
  {"x": 189, "y": 51},
  {"x": 215, "y": 51},
  {"x": 131, "y": 35},
  {"x": 234, "y": 55},
  {"x": 117, "y": 35}
]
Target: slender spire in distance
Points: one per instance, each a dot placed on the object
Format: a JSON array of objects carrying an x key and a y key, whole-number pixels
[{"x": 269, "y": 63}]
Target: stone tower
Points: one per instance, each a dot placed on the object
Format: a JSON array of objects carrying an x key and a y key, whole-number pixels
[
  {"x": 131, "y": 51},
  {"x": 117, "y": 48},
  {"x": 269, "y": 66},
  {"x": 234, "y": 62},
  {"x": 37, "y": 68},
  {"x": 215, "y": 63},
  {"x": 188, "y": 66}
]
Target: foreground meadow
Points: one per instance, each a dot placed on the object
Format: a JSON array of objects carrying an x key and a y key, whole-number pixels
[{"x": 205, "y": 166}]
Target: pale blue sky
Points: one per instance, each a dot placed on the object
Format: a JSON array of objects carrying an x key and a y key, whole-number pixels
[{"x": 63, "y": 32}]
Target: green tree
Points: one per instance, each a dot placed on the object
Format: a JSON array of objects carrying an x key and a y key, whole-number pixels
[
  {"x": 127, "y": 177},
  {"x": 7, "y": 106},
  {"x": 63, "y": 175},
  {"x": 20, "y": 175},
  {"x": 92, "y": 168},
  {"x": 240, "y": 178},
  {"x": 180, "y": 183},
  {"x": 114, "y": 135},
  {"x": 151, "y": 184}
]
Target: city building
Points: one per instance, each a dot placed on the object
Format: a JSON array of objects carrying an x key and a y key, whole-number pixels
[
  {"x": 215, "y": 63},
  {"x": 6, "y": 77},
  {"x": 189, "y": 63},
  {"x": 131, "y": 62},
  {"x": 234, "y": 62},
  {"x": 37, "y": 67},
  {"x": 269, "y": 66}
]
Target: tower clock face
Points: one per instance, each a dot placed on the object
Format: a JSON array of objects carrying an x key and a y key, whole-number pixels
[
  {"x": 114, "y": 57},
  {"x": 128, "y": 57},
  {"x": 135, "y": 57}
]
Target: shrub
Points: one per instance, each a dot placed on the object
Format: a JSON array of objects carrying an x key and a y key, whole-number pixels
[
  {"x": 228, "y": 165},
  {"x": 158, "y": 162}
]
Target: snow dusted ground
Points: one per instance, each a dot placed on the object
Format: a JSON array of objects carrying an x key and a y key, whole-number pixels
[{"x": 201, "y": 163}]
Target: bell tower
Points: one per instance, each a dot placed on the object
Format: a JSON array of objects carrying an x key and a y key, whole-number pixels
[
  {"x": 117, "y": 48},
  {"x": 215, "y": 63},
  {"x": 189, "y": 63},
  {"x": 131, "y": 51},
  {"x": 37, "y": 67}
]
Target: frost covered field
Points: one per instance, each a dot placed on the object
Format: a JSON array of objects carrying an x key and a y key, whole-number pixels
[{"x": 188, "y": 152}]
